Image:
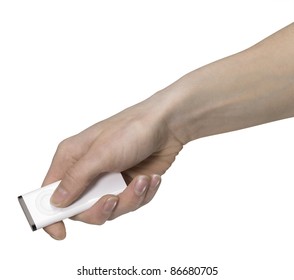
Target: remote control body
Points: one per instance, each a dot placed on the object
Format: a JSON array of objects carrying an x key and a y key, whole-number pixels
[{"x": 41, "y": 213}]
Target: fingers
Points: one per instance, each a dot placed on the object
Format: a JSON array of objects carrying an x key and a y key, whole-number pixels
[
  {"x": 67, "y": 153},
  {"x": 100, "y": 212},
  {"x": 74, "y": 182},
  {"x": 61, "y": 162},
  {"x": 59, "y": 165},
  {"x": 56, "y": 231},
  {"x": 139, "y": 192}
]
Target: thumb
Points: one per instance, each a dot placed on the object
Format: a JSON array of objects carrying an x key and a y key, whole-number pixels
[{"x": 74, "y": 182}]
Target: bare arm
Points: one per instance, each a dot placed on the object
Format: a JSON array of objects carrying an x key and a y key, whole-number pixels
[{"x": 252, "y": 87}]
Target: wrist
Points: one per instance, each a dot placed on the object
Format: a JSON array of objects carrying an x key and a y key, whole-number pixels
[
  {"x": 179, "y": 105},
  {"x": 249, "y": 88}
]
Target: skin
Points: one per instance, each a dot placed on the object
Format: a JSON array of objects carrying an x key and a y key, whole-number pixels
[{"x": 249, "y": 88}]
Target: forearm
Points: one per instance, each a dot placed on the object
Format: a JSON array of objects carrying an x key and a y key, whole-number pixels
[{"x": 250, "y": 88}]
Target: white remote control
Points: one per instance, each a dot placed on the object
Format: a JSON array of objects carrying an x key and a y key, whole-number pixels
[{"x": 41, "y": 213}]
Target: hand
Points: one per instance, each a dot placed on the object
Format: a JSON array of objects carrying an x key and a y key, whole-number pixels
[
  {"x": 143, "y": 141},
  {"x": 135, "y": 142}
]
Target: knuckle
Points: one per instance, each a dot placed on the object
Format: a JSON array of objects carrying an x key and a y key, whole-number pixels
[
  {"x": 96, "y": 220},
  {"x": 89, "y": 218},
  {"x": 71, "y": 178},
  {"x": 135, "y": 204},
  {"x": 65, "y": 147},
  {"x": 147, "y": 199}
]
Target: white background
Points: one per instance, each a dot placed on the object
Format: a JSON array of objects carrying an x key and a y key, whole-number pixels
[{"x": 227, "y": 201}]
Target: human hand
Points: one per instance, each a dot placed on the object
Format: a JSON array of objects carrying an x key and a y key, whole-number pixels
[
  {"x": 136, "y": 142},
  {"x": 143, "y": 141}
]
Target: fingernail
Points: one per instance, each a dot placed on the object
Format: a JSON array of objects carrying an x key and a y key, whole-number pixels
[
  {"x": 110, "y": 204},
  {"x": 59, "y": 196},
  {"x": 156, "y": 180},
  {"x": 141, "y": 185}
]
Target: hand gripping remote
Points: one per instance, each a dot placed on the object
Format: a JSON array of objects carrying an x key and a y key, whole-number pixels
[{"x": 41, "y": 213}]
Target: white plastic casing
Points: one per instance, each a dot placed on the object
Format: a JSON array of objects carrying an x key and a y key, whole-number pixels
[{"x": 41, "y": 213}]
